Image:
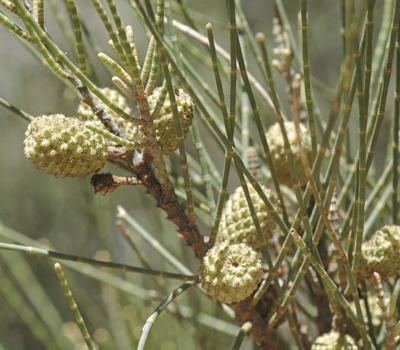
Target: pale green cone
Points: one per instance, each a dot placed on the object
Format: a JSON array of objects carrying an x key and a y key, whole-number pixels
[
  {"x": 164, "y": 122},
  {"x": 63, "y": 146},
  {"x": 231, "y": 272},
  {"x": 334, "y": 341},
  {"x": 237, "y": 224},
  {"x": 381, "y": 253},
  {"x": 280, "y": 160}
]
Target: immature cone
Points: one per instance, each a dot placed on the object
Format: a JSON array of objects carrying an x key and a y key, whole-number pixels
[
  {"x": 130, "y": 131},
  {"x": 164, "y": 121},
  {"x": 231, "y": 272},
  {"x": 334, "y": 341},
  {"x": 381, "y": 253},
  {"x": 63, "y": 146},
  {"x": 280, "y": 160},
  {"x": 237, "y": 224}
]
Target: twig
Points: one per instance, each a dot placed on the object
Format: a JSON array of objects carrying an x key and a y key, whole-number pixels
[{"x": 62, "y": 256}]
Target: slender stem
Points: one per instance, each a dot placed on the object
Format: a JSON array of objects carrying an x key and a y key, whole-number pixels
[
  {"x": 74, "y": 306},
  {"x": 160, "y": 308},
  {"x": 244, "y": 330},
  {"x": 59, "y": 55},
  {"x": 180, "y": 137},
  {"x": 113, "y": 280},
  {"x": 13, "y": 27},
  {"x": 274, "y": 214},
  {"x": 38, "y": 11},
  {"x": 204, "y": 163},
  {"x": 331, "y": 288},
  {"x": 9, "y": 6},
  {"x": 76, "y": 28},
  {"x": 224, "y": 54},
  {"x": 148, "y": 238},
  {"x": 228, "y": 159},
  {"x": 307, "y": 79},
  {"x": 366, "y": 159},
  {"x": 396, "y": 131},
  {"x": 52, "y": 254},
  {"x": 15, "y": 110},
  {"x": 132, "y": 63}
]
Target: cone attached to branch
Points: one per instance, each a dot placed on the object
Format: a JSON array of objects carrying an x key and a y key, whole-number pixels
[
  {"x": 231, "y": 272},
  {"x": 381, "y": 253},
  {"x": 237, "y": 224},
  {"x": 63, "y": 146},
  {"x": 164, "y": 122},
  {"x": 334, "y": 341},
  {"x": 279, "y": 157},
  {"x": 131, "y": 132}
]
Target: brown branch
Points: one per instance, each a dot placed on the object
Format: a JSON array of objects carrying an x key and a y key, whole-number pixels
[
  {"x": 107, "y": 183},
  {"x": 168, "y": 201},
  {"x": 97, "y": 109}
]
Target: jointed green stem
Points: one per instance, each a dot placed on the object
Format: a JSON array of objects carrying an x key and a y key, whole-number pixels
[
  {"x": 59, "y": 55},
  {"x": 366, "y": 160},
  {"x": 15, "y": 110},
  {"x": 110, "y": 30},
  {"x": 16, "y": 29},
  {"x": 76, "y": 27},
  {"x": 132, "y": 63},
  {"x": 160, "y": 308},
  {"x": 228, "y": 159},
  {"x": 52, "y": 254},
  {"x": 155, "y": 58},
  {"x": 307, "y": 79},
  {"x": 37, "y": 296},
  {"x": 9, "y": 6},
  {"x": 118, "y": 69},
  {"x": 148, "y": 238},
  {"x": 13, "y": 298},
  {"x": 331, "y": 288},
  {"x": 204, "y": 164},
  {"x": 180, "y": 137},
  {"x": 396, "y": 131},
  {"x": 38, "y": 11},
  {"x": 74, "y": 307}
]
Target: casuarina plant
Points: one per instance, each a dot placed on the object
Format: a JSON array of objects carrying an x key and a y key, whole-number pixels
[{"x": 283, "y": 189}]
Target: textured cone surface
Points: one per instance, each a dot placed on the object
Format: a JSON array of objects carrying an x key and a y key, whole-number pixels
[
  {"x": 63, "y": 146},
  {"x": 280, "y": 160},
  {"x": 231, "y": 272},
  {"x": 237, "y": 225},
  {"x": 131, "y": 131},
  {"x": 164, "y": 121},
  {"x": 333, "y": 341},
  {"x": 381, "y": 253}
]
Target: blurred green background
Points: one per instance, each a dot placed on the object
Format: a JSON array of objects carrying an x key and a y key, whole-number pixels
[{"x": 66, "y": 214}]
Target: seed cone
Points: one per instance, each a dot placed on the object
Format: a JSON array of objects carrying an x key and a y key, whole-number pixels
[
  {"x": 63, "y": 146},
  {"x": 237, "y": 225},
  {"x": 231, "y": 272},
  {"x": 381, "y": 253},
  {"x": 164, "y": 122},
  {"x": 334, "y": 341},
  {"x": 280, "y": 160}
]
